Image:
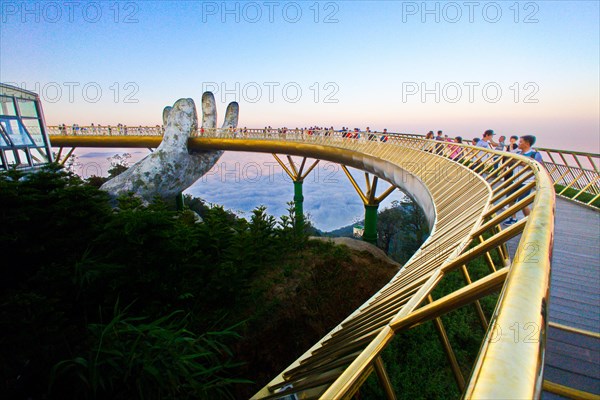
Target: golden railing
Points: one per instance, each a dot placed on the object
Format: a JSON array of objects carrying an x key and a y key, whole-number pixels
[
  {"x": 574, "y": 173},
  {"x": 574, "y": 170},
  {"x": 106, "y": 130},
  {"x": 466, "y": 193}
]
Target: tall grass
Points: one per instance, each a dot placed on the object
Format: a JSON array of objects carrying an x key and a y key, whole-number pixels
[{"x": 157, "y": 359}]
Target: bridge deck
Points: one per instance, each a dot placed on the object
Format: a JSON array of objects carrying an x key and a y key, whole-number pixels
[{"x": 573, "y": 359}]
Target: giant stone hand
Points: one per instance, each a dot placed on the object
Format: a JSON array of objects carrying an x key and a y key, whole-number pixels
[{"x": 172, "y": 168}]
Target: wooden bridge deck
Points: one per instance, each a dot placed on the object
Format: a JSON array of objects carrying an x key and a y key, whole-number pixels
[{"x": 573, "y": 359}]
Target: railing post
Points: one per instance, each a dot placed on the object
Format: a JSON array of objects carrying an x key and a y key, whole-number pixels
[{"x": 384, "y": 379}]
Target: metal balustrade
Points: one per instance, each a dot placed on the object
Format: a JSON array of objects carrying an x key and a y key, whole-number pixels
[
  {"x": 107, "y": 130},
  {"x": 569, "y": 169},
  {"x": 574, "y": 170},
  {"x": 466, "y": 193}
]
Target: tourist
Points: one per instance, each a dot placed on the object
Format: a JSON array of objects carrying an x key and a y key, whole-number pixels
[
  {"x": 456, "y": 150},
  {"x": 486, "y": 143},
  {"x": 512, "y": 146},
  {"x": 525, "y": 148},
  {"x": 427, "y": 146},
  {"x": 384, "y": 136},
  {"x": 369, "y": 135},
  {"x": 439, "y": 149},
  {"x": 499, "y": 147}
]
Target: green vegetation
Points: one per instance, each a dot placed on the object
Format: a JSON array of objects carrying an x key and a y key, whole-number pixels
[
  {"x": 584, "y": 197},
  {"x": 401, "y": 229},
  {"x": 143, "y": 301}
]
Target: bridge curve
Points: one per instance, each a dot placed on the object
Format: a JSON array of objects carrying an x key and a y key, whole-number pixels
[{"x": 465, "y": 199}]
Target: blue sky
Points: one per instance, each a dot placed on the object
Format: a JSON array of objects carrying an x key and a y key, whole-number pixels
[{"x": 518, "y": 67}]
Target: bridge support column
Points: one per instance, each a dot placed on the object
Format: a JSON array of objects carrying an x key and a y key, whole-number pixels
[
  {"x": 371, "y": 203},
  {"x": 297, "y": 176},
  {"x": 299, "y": 203},
  {"x": 370, "y": 234},
  {"x": 64, "y": 160}
]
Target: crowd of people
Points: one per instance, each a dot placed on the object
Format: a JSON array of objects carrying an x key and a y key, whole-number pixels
[
  {"x": 524, "y": 146},
  {"x": 518, "y": 145},
  {"x": 119, "y": 129},
  {"x": 355, "y": 133}
]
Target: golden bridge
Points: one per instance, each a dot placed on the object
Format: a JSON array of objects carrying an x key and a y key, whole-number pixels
[{"x": 543, "y": 337}]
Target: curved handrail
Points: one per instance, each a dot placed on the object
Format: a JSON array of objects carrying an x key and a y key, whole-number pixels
[
  {"x": 468, "y": 191},
  {"x": 574, "y": 173}
]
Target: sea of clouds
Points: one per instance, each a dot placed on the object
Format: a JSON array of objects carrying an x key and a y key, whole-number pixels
[{"x": 241, "y": 182}]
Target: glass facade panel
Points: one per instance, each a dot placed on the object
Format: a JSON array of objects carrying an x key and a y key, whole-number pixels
[
  {"x": 7, "y": 106},
  {"x": 23, "y": 159},
  {"x": 35, "y": 131},
  {"x": 3, "y": 142},
  {"x": 39, "y": 156},
  {"x": 23, "y": 141},
  {"x": 15, "y": 131},
  {"x": 10, "y": 157},
  {"x": 27, "y": 108}
]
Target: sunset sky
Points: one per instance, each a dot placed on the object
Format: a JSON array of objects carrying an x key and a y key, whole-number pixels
[{"x": 463, "y": 67}]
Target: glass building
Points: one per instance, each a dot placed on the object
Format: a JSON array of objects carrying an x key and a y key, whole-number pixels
[{"x": 24, "y": 140}]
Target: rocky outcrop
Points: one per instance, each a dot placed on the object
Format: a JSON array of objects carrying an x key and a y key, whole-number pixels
[
  {"x": 359, "y": 245},
  {"x": 172, "y": 168}
]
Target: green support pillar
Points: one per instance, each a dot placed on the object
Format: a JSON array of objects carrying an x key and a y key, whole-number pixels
[
  {"x": 371, "y": 203},
  {"x": 298, "y": 178},
  {"x": 299, "y": 203},
  {"x": 370, "y": 234}
]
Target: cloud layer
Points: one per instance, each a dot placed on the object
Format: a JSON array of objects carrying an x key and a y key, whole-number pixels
[{"x": 241, "y": 182}]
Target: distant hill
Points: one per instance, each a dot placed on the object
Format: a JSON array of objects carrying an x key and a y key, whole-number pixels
[{"x": 346, "y": 231}]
